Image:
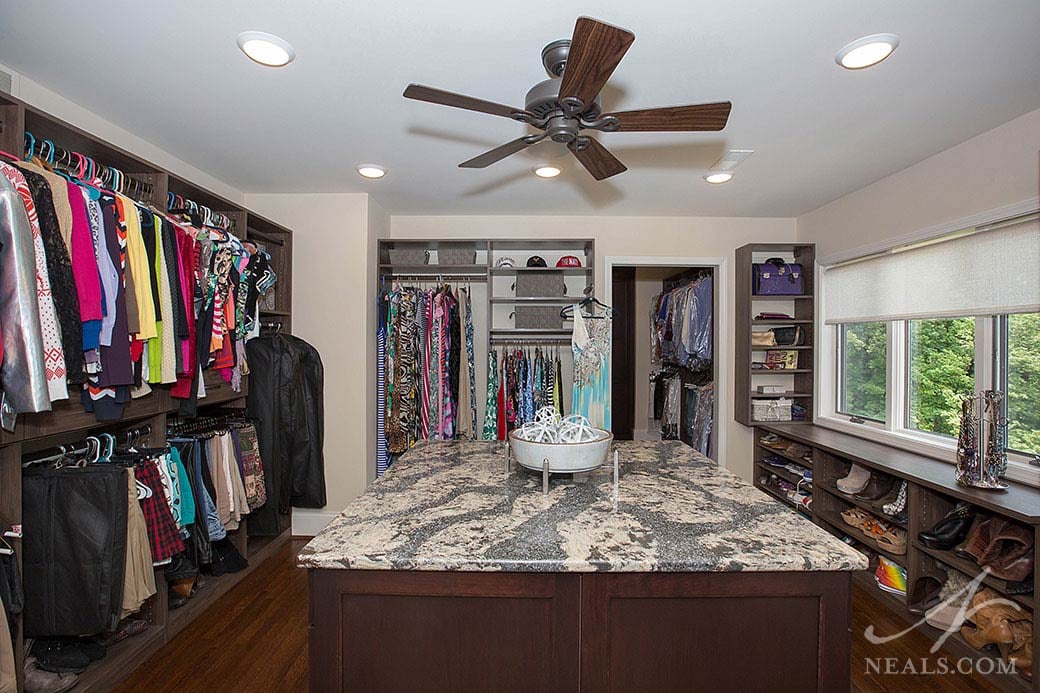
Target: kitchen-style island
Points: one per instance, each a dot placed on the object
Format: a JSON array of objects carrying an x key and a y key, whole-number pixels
[{"x": 454, "y": 573}]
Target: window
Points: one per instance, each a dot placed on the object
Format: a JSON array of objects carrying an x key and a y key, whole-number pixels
[
  {"x": 914, "y": 328},
  {"x": 1022, "y": 378},
  {"x": 941, "y": 369},
  {"x": 862, "y": 369}
]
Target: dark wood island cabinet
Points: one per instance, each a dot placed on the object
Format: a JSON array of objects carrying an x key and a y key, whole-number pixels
[{"x": 453, "y": 574}]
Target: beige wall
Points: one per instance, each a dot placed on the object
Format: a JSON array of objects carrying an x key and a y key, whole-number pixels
[
  {"x": 997, "y": 168},
  {"x": 690, "y": 237},
  {"x": 333, "y": 296},
  {"x": 56, "y": 105}
]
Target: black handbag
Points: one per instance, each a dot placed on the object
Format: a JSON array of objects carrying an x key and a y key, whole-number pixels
[{"x": 788, "y": 336}]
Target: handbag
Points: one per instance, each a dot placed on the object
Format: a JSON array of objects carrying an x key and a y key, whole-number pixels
[
  {"x": 788, "y": 336},
  {"x": 763, "y": 339},
  {"x": 775, "y": 277}
]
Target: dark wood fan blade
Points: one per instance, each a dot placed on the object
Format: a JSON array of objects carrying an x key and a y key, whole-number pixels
[
  {"x": 420, "y": 92},
  {"x": 599, "y": 162},
  {"x": 707, "y": 117},
  {"x": 496, "y": 154},
  {"x": 596, "y": 49}
]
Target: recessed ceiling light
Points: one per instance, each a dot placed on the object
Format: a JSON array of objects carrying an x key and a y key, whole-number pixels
[
  {"x": 266, "y": 49},
  {"x": 867, "y": 51},
  {"x": 371, "y": 171},
  {"x": 718, "y": 177},
  {"x": 547, "y": 171}
]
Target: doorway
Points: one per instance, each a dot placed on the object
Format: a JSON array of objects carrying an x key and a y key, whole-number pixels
[{"x": 667, "y": 393}]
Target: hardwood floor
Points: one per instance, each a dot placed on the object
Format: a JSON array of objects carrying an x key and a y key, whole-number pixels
[{"x": 255, "y": 639}]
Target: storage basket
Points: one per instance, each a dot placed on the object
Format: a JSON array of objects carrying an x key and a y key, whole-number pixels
[
  {"x": 456, "y": 256},
  {"x": 771, "y": 409},
  {"x": 539, "y": 317},
  {"x": 409, "y": 256},
  {"x": 546, "y": 284}
]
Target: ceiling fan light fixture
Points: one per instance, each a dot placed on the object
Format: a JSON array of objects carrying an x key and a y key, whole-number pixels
[
  {"x": 266, "y": 49},
  {"x": 371, "y": 171},
  {"x": 547, "y": 171},
  {"x": 867, "y": 51},
  {"x": 718, "y": 177}
]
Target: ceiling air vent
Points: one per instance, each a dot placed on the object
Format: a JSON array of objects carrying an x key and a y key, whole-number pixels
[
  {"x": 9, "y": 80},
  {"x": 731, "y": 158}
]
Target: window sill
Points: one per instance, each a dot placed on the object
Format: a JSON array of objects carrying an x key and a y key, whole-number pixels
[{"x": 1018, "y": 470}]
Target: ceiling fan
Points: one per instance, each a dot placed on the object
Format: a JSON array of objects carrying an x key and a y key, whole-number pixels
[{"x": 568, "y": 102}]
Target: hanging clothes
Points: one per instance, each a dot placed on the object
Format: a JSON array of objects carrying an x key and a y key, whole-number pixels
[
  {"x": 23, "y": 375},
  {"x": 286, "y": 395},
  {"x": 590, "y": 343},
  {"x": 490, "y": 431}
]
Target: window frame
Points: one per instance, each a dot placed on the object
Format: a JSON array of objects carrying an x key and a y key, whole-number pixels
[
  {"x": 839, "y": 379},
  {"x": 991, "y": 334}
]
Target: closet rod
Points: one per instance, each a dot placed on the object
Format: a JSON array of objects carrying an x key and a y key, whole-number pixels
[
  {"x": 84, "y": 445},
  {"x": 78, "y": 165},
  {"x": 533, "y": 342},
  {"x": 196, "y": 425}
]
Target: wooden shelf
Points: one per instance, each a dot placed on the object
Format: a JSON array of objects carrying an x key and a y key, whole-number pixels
[
  {"x": 434, "y": 270},
  {"x": 549, "y": 301},
  {"x": 835, "y": 521},
  {"x": 861, "y": 504},
  {"x": 787, "y": 476},
  {"x": 802, "y": 347},
  {"x": 779, "y": 371},
  {"x": 786, "y": 456},
  {"x": 766, "y": 488},
  {"x": 275, "y": 312},
  {"x": 866, "y": 581},
  {"x": 522, "y": 270},
  {"x": 530, "y": 330},
  {"x": 789, "y": 394},
  {"x": 972, "y": 570},
  {"x": 780, "y": 321},
  {"x": 798, "y": 297}
]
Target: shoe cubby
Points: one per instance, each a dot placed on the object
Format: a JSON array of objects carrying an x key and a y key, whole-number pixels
[{"x": 931, "y": 494}]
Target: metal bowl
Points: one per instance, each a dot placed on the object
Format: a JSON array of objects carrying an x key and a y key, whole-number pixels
[{"x": 564, "y": 458}]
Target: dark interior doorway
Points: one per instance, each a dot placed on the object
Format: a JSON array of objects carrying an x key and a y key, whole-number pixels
[{"x": 623, "y": 367}]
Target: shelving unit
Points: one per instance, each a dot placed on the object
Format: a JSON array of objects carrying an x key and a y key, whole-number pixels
[
  {"x": 932, "y": 492},
  {"x": 68, "y": 421},
  {"x": 800, "y": 307}
]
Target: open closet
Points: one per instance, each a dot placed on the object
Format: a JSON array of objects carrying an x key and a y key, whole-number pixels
[
  {"x": 473, "y": 336},
  {"x": 664, "y": 365},
  {"x": 101, "y": 484}
]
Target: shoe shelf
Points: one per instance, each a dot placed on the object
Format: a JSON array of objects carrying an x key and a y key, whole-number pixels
[
  {"x": 972, "y": 570},
  {"x": 779, "y": 495},
  {"x": 786, "y": 456},
  {"x": 786, "y": 475},
  {"x": 932, "y": 493},
  {"x": 833, "y": 519},
  {"x": 862, "y": 504}
]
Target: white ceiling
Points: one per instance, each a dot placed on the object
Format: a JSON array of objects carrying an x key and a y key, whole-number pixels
[{"x": 171, "y": 72}]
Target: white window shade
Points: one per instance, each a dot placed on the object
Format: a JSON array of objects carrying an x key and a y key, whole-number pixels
[{"x": 987, "y": 271}]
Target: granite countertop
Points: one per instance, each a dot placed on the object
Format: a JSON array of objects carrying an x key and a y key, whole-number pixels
[{"x": 452, "y": 506}]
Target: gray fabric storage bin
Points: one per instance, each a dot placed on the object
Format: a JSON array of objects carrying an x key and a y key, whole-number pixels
[
  {"x": 539, "y": 317},
  {"x": 547, "y": 284},
  {"x": 409, "y": 256},
  {"x": 457, "y": 255}
]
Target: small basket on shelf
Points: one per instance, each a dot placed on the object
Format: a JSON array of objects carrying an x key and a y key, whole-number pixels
[{"x": 767, "y": 410}]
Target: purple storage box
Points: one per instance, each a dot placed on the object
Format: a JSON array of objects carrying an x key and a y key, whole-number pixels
[{"x": 774, "y": 277}]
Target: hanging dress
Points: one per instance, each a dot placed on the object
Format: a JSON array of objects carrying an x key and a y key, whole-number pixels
[
  {"x": 590, "y": 343},
  {"x": 491, "y": 409}
]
